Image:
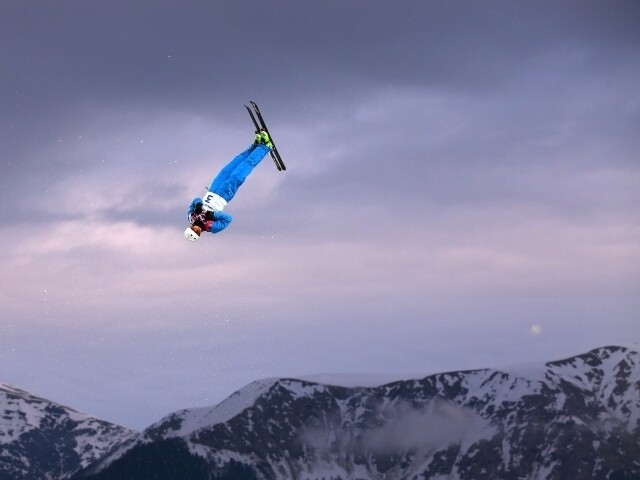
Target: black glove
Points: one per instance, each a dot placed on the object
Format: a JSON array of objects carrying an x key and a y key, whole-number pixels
[
  {"x": 208, "y": 215},
  {"x": 198, "y": 209}
]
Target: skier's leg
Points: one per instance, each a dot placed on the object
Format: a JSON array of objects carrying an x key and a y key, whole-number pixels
[
  {"x": 228, "y": 189},
  {"x": 225, "y": 173}
]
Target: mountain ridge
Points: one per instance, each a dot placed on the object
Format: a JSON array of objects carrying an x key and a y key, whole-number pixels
[{"x": 456, "y": 425}]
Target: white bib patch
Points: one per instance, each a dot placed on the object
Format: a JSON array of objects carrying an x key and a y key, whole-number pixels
[{"x": 213, "y": 202}]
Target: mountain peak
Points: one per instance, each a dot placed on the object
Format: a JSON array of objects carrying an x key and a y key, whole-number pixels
[{"x": 30, "y": 423}]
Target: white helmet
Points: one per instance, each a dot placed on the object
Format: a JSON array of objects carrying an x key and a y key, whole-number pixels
[{"x": 191, "y": 235}]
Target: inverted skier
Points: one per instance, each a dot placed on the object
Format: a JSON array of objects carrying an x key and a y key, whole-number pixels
[{"x": 205, "y": 214}]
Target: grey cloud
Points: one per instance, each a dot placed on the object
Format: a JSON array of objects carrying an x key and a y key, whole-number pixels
[
  {"x": 408, "y": 428},
  {"x": 403, "y": 428}
]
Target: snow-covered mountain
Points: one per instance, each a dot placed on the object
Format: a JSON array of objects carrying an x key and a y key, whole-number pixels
[
  {"x": 40, "y": 439},
  {"x": 577, "y": 418}
]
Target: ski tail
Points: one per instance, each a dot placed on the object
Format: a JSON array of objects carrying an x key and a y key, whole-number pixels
[{"x": 253, "y": 118}]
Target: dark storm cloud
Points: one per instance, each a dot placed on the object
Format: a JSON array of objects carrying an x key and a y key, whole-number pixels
[
  {"x": 62, "y": 60},
  {"x": 60, "y": 57},
  {"x": 59, "y": 53}
]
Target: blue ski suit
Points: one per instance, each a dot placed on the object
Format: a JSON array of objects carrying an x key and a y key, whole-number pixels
[{"x": 226, "y": 184}]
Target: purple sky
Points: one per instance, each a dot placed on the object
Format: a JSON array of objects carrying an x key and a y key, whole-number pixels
[{"x": 463, "y": 191}]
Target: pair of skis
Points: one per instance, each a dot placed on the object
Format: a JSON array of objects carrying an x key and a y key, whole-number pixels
[{"x": 260, "y": 125}]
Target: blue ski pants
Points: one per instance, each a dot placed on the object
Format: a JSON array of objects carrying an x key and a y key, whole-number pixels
[{"x": 233, "y": 175}]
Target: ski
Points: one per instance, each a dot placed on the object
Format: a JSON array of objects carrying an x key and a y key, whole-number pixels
[
  {"x": 255, "y": 123},
  {"x": 274, "y": 152},
  {"x": 253, "y": 119}
]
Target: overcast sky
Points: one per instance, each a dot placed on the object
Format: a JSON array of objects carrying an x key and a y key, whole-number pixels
[{"x": 462, "y": 191}]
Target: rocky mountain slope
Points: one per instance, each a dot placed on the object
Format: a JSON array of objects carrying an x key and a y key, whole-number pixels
[
  {"x": 43, "y": 440},
  {"x": 577, "y": 418}
]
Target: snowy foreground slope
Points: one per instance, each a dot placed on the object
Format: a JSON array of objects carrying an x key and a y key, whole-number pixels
[
  {"x": 40, "y": 439},
  {"x": 577, "y": 418}
]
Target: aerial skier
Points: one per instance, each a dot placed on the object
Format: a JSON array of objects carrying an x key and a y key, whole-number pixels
[{"x": 206, "y": 214}]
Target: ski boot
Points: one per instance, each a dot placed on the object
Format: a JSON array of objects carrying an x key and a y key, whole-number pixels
[{"x": 264, "y": 139}]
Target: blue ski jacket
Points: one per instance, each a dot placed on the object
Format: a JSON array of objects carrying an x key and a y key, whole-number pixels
[{"x": 214, "y": 222}]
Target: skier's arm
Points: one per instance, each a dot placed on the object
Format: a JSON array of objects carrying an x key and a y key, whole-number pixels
[
  {"x": 192, "y": 207},
  {"x": 221, "y": 221}
]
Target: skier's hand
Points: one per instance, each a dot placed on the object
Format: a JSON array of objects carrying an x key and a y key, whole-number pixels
[{"x": 198, "y": 209}]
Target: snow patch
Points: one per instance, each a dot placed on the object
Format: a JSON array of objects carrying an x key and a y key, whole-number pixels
[{"x": 196, "y": 419}]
